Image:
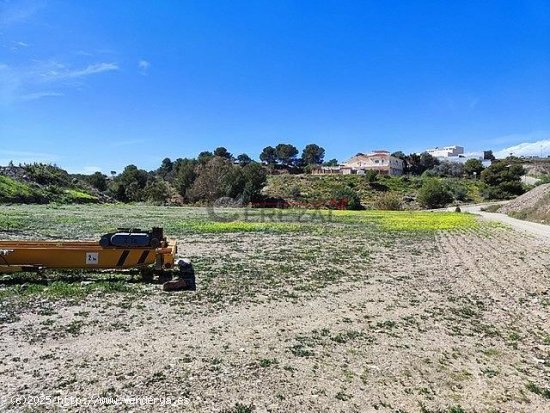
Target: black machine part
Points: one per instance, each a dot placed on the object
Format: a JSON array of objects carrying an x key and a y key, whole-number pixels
[{"x": 132, "y": 237}]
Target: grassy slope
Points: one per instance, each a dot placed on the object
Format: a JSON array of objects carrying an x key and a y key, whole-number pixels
[
  {"x": 313, "y": 188},
  {"x": 14, "y": 191}
]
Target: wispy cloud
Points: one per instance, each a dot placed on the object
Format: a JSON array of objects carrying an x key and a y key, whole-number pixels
[
  {"x": 15, "y": 12},
  {"x": 60, "y": 72},
  {"x": 39, "y": 95},
  {"x": 538, "y": 148},
  {"x": 143, "y": 66},
  {"x": 44, "y": 79},
  {"x": 16, "y": 45}
]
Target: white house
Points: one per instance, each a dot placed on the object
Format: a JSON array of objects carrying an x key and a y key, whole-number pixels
[
  {"x": 379, "y": 161},
  {"x": 455, "y": 153},
  {"x": 446, "y": 151}
]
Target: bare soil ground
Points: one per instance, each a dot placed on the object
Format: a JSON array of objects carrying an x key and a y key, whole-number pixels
[{"x": 449, "y": 321}]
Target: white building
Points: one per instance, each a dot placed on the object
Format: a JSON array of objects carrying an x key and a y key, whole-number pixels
[
  {"x": 446, "y": 151},
  {"x": 456, "y": 153},
  {"x": 380, "y": 161}
]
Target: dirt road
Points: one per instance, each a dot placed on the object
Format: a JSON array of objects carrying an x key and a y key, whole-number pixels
[{"x": 539, "y": 230}]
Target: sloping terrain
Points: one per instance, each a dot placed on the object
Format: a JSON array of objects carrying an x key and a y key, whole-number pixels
[
  {"x": 532, "y": 206},
  {"x": 41, "y": 184},
  {"x": 317, "y": 189}
]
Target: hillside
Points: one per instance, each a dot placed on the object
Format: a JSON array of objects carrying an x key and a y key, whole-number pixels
[
  {"x": 42, "y": 184},
  {"x": 531, "y": 206},
  {"x": 538, "y": 168},
  {"x": 315, "y": 189}
]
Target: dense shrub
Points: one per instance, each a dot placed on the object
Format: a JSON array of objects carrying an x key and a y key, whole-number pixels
[
  {"x": 98, "y": 181},
  {"x": 156, "y": 191},
  {"x": 503, "y": 180},
  {"x": 255, "y": 178},
  {"x": 185, "y": 175},
  {"x": 345, "y": 198},
  {"x": 505, "y": 190},
  {"x": 129, "y": 185},
  {"x": 433, "y": 194},
  {"x": 388, "y": 201},
  {"x": 458, "y": 190},
  {"x": 473, "y": 165},
  {"x": 371, "y": 176},
  {"x": 46, "y": 174},
  {"x": 219, "y": 177},
  {"x": 446, "y": 169}
]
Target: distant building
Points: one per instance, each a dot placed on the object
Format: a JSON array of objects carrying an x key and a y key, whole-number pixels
[
  {"x": 446, "y": 151},
  {"x": 380, "y": 161},
  {"x": 455, "y": 153}
]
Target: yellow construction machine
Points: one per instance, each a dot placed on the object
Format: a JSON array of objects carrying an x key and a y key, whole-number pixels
[{"x": 127, "y": 248}]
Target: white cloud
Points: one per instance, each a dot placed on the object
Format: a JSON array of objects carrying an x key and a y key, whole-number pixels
[
  {"x": 538, "y": 148},
  {"x": 39, "y": 95},
  {"x": 14, "y": 46},
  {"x": 59, "y": 71},
  {"x": 16, "y": 12},
  {"x": 44, "y": 79},
  {"x": 143, "y": 66}
]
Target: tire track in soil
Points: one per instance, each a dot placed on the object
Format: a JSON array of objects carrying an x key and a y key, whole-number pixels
[{"x": 479, "y": 261}]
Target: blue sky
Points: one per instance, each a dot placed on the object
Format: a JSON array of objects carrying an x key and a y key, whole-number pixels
[{"x": 98, "y": 85}]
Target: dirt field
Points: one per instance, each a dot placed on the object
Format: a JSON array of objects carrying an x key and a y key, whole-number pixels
[{"x": 323, "y": 313}]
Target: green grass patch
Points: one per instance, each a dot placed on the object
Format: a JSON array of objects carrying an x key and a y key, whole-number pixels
[
  {"x": 541, "y": 391},
  {"x": 8, "y": 223},
  {"x": 238, "y": 226},
  {"x": 79, "y": 196},
  {"x": 12, "y": 190},
  {"x": 62, "y": 289}
]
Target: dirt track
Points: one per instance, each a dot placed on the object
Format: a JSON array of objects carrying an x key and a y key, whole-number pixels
[{"x": 532, "y": 228}]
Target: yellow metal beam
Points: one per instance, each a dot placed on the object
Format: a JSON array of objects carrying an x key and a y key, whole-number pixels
[{"x": 88, "y": 255}]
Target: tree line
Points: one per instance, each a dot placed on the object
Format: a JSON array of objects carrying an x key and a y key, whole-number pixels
[
  {"x": 209, "y": 176},
  {"x": 218, "y": 173}
]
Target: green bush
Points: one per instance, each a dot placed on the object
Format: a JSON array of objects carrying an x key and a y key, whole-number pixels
[
  {"x": 156, "y": 191},
  {"x": 345, "y": 198},
  {"x": 433, "y": 194},
  {"x": 388, "y": 201},
  {"x": 98, "y": 181},
  {"x": 503, "y": 180},
  {"x": 371, "y": 176},
  {"x": 45, "y": 174}
]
